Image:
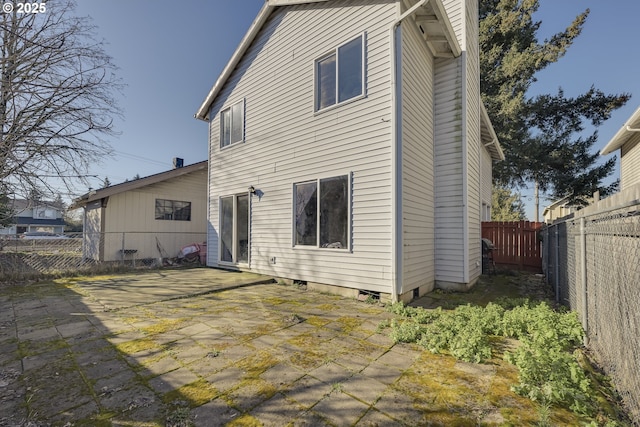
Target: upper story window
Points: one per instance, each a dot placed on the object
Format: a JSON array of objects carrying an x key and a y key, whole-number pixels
[
  {"x": 173, "y": 210},
  {"x": 340, "y": 74},
  {"x": 232, "y": 124}
]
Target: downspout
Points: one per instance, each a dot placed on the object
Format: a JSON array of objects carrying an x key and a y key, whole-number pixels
[{"x": 396, "y": 160}]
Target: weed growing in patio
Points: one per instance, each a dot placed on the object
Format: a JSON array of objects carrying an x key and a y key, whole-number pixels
[{"x": 546, "y": 358}]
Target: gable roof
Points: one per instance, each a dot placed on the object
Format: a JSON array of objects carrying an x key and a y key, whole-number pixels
[
  {"x": 432, "y": 17},
  {"x": 624, "y": 134},
  {"x": 135, "y": 184}
]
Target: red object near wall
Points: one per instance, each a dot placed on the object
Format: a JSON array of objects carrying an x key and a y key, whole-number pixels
[{"x": 517, "y": 244}]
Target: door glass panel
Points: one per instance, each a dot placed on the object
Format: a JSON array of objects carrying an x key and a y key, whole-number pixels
[
  {"x": 334, "y": 212},
  {"x": 226, "y": 229},
  {"x": 306, "y": 214},
  {"x": 242, "y": 230}
]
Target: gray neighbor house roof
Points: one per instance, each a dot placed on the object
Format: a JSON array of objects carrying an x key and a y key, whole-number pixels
[{"x": 94, "y": 195}]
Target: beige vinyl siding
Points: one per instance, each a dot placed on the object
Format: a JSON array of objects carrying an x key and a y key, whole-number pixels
[
  {"x": 474, "y": 144},
  {"x": 449, "y": 208},
  {"x": 630, "y": 163},
  {"x": 286, "y": 142},
  {"x": 92, "y": 228},
  {"x": 132, "y": 213},
  {"x": 455, "y": 12},
  {"x": 417, "y": 162}
]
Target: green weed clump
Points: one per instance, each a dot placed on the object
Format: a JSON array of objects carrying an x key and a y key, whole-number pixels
[{"x": 549, "y": 372}]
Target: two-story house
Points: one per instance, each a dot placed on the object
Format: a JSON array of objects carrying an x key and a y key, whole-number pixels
[
  {"x": 349, "y": 147},
  {"x": 30, "y": 216}
]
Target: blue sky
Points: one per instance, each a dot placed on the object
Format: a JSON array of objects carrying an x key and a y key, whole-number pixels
[{"x": 170, "y": 53}]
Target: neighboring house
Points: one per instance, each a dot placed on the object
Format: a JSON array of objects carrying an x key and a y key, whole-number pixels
[
  {"x": 627, "y": 140},
  {"x": 349, "y": 147},
  {"x": 30, "y": 215},
  {"x": 151, "y": 217},
  {"x": 559, "y": 209}
]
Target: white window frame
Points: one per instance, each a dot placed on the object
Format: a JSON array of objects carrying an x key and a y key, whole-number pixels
[
  {"x": 230, "y": 110},
  {"x": 317, "y": 181},
  {"x": 316, "y": 82}
]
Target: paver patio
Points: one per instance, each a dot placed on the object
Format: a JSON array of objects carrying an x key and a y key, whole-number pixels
[{"x": 219, "y": 348}]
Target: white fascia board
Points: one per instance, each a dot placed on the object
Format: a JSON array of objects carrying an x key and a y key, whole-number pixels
[
  {"x": 256, "y": 26},
  {"x": 494, "y": 138},
  {"x": 623, "y": 134}
]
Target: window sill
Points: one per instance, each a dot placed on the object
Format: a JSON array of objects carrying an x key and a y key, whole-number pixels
[
  {"x": 317, "y": 248},
  {"x": 334, "y": 106},
  {"x": 226, "y": 147}
]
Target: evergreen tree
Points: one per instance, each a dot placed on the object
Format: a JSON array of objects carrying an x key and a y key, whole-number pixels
[
  {"x": 541, "y": 136},
  {"x": 506, "y": 206},
  {"x": 6, "y": 213}
]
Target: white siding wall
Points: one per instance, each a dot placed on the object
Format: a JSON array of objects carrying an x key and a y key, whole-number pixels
[
  {"x": 285, "y": 143},
  {"x": 474, "y": 144},
  {"x": 417, "y": 162},
  {"x": 630, "y": 163},
  {"x": 458, "y": 152},
  {"x": 449, "y": 207}
]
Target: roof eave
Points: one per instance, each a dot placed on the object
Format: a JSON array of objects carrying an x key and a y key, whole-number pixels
[
  {"x": 450, "y": 33},
  {"x": 621, "y": 137},
  {"x": 496, "y": 153}
]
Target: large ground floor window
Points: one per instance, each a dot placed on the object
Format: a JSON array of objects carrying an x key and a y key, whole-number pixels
[
  {"x": 321, "y": 213},
  {"x": 234, "y": 229}
]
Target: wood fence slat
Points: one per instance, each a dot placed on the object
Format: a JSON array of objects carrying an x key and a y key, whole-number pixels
[{"x": 516, "y": 244}]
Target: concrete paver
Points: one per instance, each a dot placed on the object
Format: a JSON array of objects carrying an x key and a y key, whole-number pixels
[{"x": 135, "y": 349}]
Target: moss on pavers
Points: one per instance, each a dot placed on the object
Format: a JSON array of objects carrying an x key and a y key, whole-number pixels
[
  {"x": 195, "y": 394},
  {"x": 138, "y": 345}
]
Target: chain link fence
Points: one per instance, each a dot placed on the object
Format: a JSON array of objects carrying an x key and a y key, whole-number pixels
[
  {"x": 32, "y": 257},
  {"x": 593, "y": 262}
]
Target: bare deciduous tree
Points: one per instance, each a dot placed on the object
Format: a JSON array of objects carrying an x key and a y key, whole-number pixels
[{"x": 57, "y": 101}]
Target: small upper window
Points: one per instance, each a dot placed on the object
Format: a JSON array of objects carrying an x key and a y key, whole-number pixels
[
  {"x": 232, "y": 124},
  {"x": 340, "y": 74}
]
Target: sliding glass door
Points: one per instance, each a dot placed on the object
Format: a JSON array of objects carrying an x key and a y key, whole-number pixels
[{"x": 234, "y": 229}]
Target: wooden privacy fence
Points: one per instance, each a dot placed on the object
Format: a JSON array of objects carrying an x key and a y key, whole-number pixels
[{"x": 517, "y": 244}]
